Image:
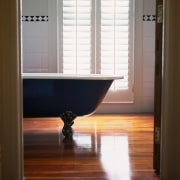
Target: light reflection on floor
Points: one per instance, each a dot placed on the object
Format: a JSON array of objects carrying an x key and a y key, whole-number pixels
[
  {"x": 112, "y": 153},
  {"x": 121, "y": 149},
  {"x": 115, "y": 157}
]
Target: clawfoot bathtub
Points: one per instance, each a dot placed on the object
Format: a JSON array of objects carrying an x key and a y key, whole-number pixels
[{"x": 64, "y": 96}]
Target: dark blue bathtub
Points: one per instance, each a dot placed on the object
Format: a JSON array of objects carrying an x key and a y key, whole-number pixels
[{"x": 57, "y": 95}]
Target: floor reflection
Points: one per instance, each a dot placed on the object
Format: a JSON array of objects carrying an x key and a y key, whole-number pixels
[
  {"x": 115, "y": 157},
  {"x": 101, "y": 148},
  {"x": 111, "y": 151}
]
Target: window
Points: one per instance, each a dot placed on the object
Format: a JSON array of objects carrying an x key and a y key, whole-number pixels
[
  {"x": 114, "y": 35},
  {"x": 96, "y": 36},
  {"x": 76, "y": 36},
  {"x": 83, "y": 37}
]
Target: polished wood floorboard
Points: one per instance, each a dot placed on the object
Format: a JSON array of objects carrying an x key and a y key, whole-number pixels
[{"x": 103, "y": 147}]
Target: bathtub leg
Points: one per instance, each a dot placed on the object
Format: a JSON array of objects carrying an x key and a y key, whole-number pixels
[{"x": 68, "y": 119}]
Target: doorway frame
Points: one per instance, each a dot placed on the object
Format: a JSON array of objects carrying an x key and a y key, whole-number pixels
[
  {"x": 11, "y": 142},
  {"x": 12, "y": 63}
]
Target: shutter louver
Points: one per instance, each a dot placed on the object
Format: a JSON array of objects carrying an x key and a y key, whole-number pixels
[
  {"x": 115, "y": 39},
  {"x": 96, "y": 36},
  {"x": 76, "y": 36}
]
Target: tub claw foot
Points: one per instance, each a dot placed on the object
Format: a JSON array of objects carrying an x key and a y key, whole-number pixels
[{"x": 68, "y": 119}]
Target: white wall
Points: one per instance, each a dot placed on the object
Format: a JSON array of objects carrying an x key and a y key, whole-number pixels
[
  {"x": 40, "y": 55},
  {"x": 148, "y": 55},
  {"x": 35, "y": 7},
  {"x": 39, "y": 36},
  {"x": 35, "y": 35},
  {"x": 35, "y": 49}
]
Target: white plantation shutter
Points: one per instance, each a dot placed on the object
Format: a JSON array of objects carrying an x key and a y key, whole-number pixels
[
  {"x": 96, "y": 36},
  {"x": 76, "y": 36},
  {"x": 115, "y": 42}
]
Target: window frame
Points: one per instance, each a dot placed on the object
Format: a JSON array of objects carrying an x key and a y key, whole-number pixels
[{"x": 121, "y": 96}]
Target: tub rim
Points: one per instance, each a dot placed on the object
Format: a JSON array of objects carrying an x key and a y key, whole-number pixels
[{"x": 70, "y": 76}]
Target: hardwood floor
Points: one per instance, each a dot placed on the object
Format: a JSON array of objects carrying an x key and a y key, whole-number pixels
[{"x": 103, "y": 147}]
